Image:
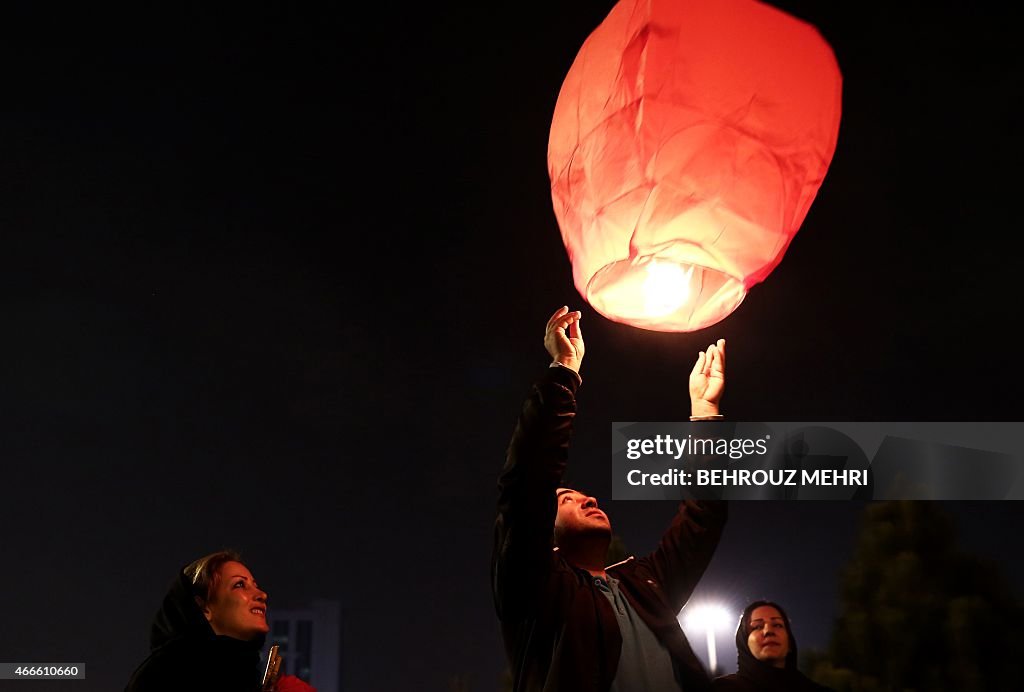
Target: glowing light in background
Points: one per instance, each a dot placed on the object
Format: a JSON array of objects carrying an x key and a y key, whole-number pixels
[{"x": 709, "y": 618}]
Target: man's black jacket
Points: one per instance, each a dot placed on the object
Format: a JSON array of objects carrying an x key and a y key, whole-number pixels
[{"x": 560, "y": 631}]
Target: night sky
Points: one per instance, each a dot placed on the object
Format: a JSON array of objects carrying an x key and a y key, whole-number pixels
[{"x": 277, "y": 280}]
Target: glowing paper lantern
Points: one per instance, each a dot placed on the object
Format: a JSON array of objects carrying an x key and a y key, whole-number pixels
[{"x": 687, "y": 144}]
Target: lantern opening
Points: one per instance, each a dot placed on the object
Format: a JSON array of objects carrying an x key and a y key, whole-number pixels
[{"x": 664, "y": 294}]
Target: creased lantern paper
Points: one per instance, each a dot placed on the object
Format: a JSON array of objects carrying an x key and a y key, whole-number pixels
[{"x": 687, "y": 144}]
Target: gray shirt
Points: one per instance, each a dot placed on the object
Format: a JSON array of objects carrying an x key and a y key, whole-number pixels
[{"x": 645, "y": 663}]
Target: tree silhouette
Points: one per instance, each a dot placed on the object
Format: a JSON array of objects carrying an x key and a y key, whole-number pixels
[{"x": 918, "y": 614}]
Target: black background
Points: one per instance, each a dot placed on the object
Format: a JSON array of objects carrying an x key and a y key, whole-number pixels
[{"x": 276, "y": 279}]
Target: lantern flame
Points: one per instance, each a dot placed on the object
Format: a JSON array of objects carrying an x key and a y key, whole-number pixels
[
  {"x": 665, "y": 292},
  {"x": 666, "y": 288}
]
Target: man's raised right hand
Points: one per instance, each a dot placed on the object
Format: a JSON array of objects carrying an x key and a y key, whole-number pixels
[{"x": 565, "y": 349}]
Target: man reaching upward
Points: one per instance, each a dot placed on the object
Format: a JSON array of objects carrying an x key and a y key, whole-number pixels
[{"x": 569, "y": 622}]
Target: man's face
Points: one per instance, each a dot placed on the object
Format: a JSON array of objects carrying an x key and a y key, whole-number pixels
[
  {"x": 768, "y": 639},
  {"x": 577, "y": 514}
]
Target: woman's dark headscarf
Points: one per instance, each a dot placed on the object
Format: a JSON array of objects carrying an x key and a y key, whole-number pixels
[
  {"x": 745, "y": 658},
  {"x": 764, "y": 676},
  {"x": 186, "y": 653}
]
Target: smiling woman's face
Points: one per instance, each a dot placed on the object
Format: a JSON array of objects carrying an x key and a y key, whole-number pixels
[
  {"x": 768, "y": 639},
  {"x": 237, "y": 607}
]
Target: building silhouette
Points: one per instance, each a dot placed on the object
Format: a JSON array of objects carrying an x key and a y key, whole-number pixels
[{"x": 309, "y": 640}]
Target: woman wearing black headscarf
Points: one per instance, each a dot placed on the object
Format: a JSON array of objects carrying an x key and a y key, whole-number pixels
[
  {"x": 209, "y": 631},
  {"x": 766, "y": 650}
]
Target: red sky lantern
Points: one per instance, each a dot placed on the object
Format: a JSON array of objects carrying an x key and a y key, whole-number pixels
[{"x": 687, "y": 144}]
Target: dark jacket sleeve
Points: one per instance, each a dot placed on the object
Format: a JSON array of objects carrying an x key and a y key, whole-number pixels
[
  {"x": 686, "y": 548},
  {"x": 522, "y": 560}
]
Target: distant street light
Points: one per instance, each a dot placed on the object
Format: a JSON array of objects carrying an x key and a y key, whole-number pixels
[{"x": 710, "y": 618}]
